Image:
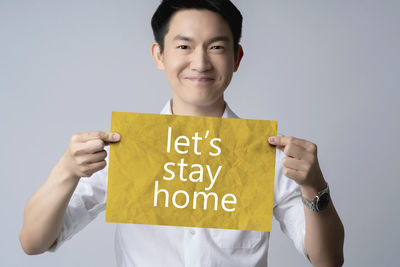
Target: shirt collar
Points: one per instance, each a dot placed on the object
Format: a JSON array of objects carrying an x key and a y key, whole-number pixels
[{"x": 228, "y": 113}]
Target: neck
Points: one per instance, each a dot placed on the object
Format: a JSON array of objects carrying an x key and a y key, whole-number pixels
[{"x": 216, "y": 109}]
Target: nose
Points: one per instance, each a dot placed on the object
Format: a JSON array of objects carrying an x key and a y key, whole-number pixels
[{"x": 200, "y": 61}]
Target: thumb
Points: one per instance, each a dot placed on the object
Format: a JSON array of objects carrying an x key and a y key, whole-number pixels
[{"x": 110, "y": 137}]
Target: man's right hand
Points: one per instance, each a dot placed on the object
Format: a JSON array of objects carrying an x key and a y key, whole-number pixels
[
  {"x": 85, "y": 154},
  {"x": 45, "y": 210}
]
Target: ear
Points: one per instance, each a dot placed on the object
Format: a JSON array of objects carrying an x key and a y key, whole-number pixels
[
  {"x": 238, "y": 57},
  {"x": 157, "y": 56}
]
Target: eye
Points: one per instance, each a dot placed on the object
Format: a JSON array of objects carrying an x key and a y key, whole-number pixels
[
  {"x": 183, "y": 47},
  {"x": 217, "y": 47}
]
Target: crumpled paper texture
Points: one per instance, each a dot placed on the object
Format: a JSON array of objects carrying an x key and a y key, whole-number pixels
[{"x": 137, "y": 162}]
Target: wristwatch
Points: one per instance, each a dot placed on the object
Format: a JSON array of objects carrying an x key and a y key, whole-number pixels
[{"x": 320, "y": 202}]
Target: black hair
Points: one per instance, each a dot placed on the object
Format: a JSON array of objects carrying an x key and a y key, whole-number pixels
[{"x": 167, "y": 8}]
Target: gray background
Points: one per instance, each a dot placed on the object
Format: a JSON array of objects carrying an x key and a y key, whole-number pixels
[{"x": 328, "y": 71}]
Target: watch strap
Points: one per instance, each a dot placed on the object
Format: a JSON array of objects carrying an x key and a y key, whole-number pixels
[{"x": 313, "y": 204}]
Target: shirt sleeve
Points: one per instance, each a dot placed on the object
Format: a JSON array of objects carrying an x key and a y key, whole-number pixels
[
  {"x": 87, "y": 201},
  {"x": 288, "y": 207}
]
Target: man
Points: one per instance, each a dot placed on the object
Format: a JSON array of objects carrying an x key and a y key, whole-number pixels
[{"x": 197, "y": 45}]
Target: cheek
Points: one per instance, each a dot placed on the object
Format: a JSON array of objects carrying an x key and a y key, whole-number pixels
[
  {"x": 225, "y": 62},
  {"x": 226, "y": 69},
  {"x": 174, "y": 65}
]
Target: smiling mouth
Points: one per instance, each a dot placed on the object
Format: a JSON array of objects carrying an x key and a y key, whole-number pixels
[{"x": 200, "y": 80}]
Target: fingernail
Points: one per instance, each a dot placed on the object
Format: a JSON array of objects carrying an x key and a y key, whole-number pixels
[
  {"x": 271, "y": 140},
  {"x": 116, "y": 137}
]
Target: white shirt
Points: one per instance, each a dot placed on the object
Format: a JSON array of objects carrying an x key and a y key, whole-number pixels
[{"x": 154, "y": 245}]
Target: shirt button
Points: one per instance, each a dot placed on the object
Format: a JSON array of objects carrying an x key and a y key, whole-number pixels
[{"x": 192, "y": 231}]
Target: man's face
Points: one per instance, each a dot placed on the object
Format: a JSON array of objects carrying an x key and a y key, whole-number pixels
[{"x": 198, "y": 56}]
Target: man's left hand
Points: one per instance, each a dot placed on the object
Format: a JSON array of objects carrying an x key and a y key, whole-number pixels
[{"x": 301, "y": 163}]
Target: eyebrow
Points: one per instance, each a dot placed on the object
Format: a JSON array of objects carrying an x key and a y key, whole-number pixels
[{"x": 212, "y": 40}]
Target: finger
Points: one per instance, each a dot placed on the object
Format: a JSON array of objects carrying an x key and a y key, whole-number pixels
[
  {"x": 105, "y": 136},
  {"x": 295, "y": 164},
  {"x": 94, "y": 167},
  {"x": 295, "y": 175},
  {"x": 106, "y": 143},
  {"x": 92, "y": 158},
  {"x": 90, "y": 147},
  {"x": 280, "y": 147},
  {"x": 285, "y": 140},
  {"x": 294, "y": 151},
  {"x": 97, "y": 166}
]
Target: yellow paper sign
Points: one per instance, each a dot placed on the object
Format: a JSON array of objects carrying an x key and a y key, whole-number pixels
[{"x": 191, "y": 171}]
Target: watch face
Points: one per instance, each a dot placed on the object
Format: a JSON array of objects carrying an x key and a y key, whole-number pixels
[{"x": 322, "y": 202}]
